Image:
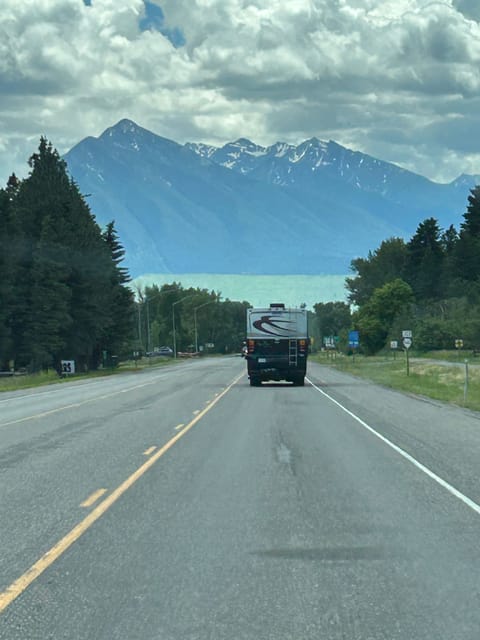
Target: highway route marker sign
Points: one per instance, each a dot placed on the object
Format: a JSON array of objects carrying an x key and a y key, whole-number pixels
[{"x": 68, "y": 367}]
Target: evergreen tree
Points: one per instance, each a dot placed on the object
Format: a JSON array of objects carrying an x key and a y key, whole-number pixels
[
  {"x": 448, "y": 240},
  {"x": 50, "y": 297},
  {"x": 424, "y": 261},
  {"x": 119, "y": 332},
  {"x": 8, "y": 252},
  {"x": 90, "y": 281},
  {"x": 70, "y": 294},
  {"x": 467, "y": 249},
  {"x": 117, "y": 252}
]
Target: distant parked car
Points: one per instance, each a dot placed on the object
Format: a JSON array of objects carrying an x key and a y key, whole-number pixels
[
  {"x": 159, "y": 351},
  {"x": 165, "y": 351}
]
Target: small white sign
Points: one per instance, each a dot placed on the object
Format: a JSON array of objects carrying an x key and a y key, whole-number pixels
[
  {"x": 68, "y": 366},
  {"x": 407, "y": 333},
  {"x": 394, "y": 344},
  {"x": 407, "y": 343}
]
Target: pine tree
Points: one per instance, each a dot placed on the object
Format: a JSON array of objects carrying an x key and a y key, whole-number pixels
[
  {"x": 467, "y": 250},
  {"x": 50, "y": 298},
  {"x": 41, "y": 196},
  {"x": 7, "y": 272},
  {"x": 65, "y": 272},
  {"x": 424, "y": 261},
  {"x": 117, "y": 252},
  {"x": 119, "y": 332},
  {"x": 90, "y": 282}
]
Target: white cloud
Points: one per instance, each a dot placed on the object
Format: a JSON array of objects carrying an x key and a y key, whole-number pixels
[{"x": 398, "y": 79}]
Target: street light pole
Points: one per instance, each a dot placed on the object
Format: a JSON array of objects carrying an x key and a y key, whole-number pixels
[
  {"x": 195, "y": 321},
  {"x": 192, "y": 295},
  {"x": 148, "y": 327},
  {"x": 139, "y": 326},
  {"x": 147, "y": 300}
]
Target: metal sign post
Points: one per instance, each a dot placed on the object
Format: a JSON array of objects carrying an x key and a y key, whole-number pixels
[
  {"x": 394, "y": 347},
  {"x": 353, "y": 341},
  {"x": 458, "y": 346},
  {"x": 407, "y": 343}
]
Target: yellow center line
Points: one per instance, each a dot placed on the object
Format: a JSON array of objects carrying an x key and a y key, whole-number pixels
[
  {"x": 24, "y": 581},
  {"x": 148, "y": 451},
  {"x": 93, "y": 498}
]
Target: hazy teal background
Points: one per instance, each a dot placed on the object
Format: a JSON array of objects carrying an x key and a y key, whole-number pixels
[{"x": 258, "y": 290}]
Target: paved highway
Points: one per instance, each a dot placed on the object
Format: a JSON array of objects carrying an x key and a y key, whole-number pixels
[{"x": 181, "y": 504}]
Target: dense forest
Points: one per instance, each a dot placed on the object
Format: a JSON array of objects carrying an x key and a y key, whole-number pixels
[
  {"x": 429, "y": 285},
  {"x": 63, "y": 292},
  {"x": 65, "y": 296},
  {"x": 201, "y": 318}
]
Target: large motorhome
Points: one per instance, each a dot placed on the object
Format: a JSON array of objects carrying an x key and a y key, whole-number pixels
[{"x": 277, "y": 344}]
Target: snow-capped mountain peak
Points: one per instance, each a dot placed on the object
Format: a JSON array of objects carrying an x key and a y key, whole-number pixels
[{"x": 192, "y": 207}]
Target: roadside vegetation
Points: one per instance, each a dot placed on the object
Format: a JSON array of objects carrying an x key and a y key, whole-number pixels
[
  {"x": 427, "y": 377},
  {"x": 426, "y": 290},
  {"x": 63, "y": 292},
  {"x": 66, "y": 300},
  {"x": 41, "y": 378},
  {"x": 64, "y": 296},
  {"x": 429, "y": 285}
]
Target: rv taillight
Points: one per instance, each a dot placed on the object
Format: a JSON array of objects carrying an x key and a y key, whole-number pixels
[
  {"x": 251, "y": 346},
  {"x": 302, "y": 344}
]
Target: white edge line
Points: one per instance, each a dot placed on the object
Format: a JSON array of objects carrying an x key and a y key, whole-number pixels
[{"x": 443, "y": 483}]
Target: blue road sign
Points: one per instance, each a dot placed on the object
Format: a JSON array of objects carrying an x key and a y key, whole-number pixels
[{"x": 353, "y": 339}]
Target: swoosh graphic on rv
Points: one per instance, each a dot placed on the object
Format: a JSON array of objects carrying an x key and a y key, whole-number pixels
[{"x": 269, "y": 322}]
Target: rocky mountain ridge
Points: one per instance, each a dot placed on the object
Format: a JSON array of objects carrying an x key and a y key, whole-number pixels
[{"x": 244, "y": 208}]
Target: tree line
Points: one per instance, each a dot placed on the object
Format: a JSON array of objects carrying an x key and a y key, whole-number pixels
[
  {"x": 63, "y": 292},
  {"x": 65, "y": 295},
  {"x": 429, "y": 285},
  {"x": 198, "y": 316}
]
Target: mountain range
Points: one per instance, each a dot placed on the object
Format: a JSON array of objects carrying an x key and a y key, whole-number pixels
[{"x": 244, "y": 208}]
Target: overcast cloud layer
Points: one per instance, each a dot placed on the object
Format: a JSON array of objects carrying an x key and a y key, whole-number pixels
[{"x": 398, "y": 79}]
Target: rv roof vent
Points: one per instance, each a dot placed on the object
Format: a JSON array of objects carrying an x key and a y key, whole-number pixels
[{"x": 277, "y": 305}]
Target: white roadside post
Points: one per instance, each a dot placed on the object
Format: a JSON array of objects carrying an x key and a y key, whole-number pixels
[{"x": 465, "y": 387}]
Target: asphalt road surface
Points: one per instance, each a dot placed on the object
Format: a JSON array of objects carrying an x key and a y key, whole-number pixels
[{"x": 181, "y": 504}]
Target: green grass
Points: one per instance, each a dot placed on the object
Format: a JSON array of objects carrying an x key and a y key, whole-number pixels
[
  {"x": 452, "y": 355},
  {"x": 51, "y": 377},
  {"x": 29, "y": 380},
  {"x": 440, "y": 382}
]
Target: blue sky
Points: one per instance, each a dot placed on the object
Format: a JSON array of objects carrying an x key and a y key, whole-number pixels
[{"x": 398, "y": 79}]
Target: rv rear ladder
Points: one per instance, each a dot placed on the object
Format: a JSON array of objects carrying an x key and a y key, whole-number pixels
[{"x": 292, "y": 353}]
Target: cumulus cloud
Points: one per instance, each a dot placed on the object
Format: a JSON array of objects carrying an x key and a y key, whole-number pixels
[
  {"x": 398, "y": 79},
  {"x": 469, "y": 8}
]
